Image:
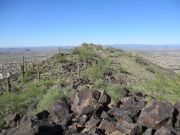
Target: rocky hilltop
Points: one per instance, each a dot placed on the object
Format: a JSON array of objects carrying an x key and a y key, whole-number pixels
[
  {"x": 91, "y": 90},
  {"x": 95, "y": 113}
]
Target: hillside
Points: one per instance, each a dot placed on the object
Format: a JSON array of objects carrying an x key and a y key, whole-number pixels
[{"x": 86, "y": 68}]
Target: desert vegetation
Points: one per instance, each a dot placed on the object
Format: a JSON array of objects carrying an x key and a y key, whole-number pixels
[{"x": 86, "y": 68}]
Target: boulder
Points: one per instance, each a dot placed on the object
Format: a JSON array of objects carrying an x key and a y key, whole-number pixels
[
  {"x": 130, "y": 129},
  {"x": 47, "y": 129},
  {"x": 176, "y": 115},
  {"x": 164, "y": 131},
  {"x": 91, "y": 124},
  {"x": 104, "y": 98},
  {"x": 149, "y": 131},
  {"x": 155, "y": 114},
  {"x": 121, "y": 115},
  {"x": 108, "y": 125},
  {"x": 85, "y": 102},
  {"x": 117, "y": 133},
  {"x": 133, "y": 106},
  {"x": 42, "y": 115},
  {"x": 104, "y": 115},
  {"x": 25, "y": 128},
  {"x": 59, "y": 111},
  {"x": 83, "y": 119}
]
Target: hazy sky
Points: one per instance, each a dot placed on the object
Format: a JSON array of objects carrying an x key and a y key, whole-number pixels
[{"x": 70, "y": 22}]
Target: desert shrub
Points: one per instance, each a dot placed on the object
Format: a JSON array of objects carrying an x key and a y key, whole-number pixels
[
  {"x": 96, "y": 70},
  {"x": 115, "y": 91},
  {"x": 123, "y": 70},
  {"x": 100, "y": 83},
  {"x": 140, "y": 60},
  {"x": 150, "y": 69},
  {"x": 59, "y": 58},
  {"x": 85, "y": 52},
  {"x": 31, "y": 95},
  {"x": 49, "y": 98},
  {"x": 110, "y": 49},
  {"x": 114, "y": 50},
  {"x": 28, "y": 76},
  {"x": 162, "y": 87}
]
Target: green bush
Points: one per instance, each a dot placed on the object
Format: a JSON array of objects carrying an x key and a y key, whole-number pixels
[
  {"x": 96, "y": 70},
  {"x": 85, "y": 52},
  {"x": 150, "y": 69},
  {"x": 123, "y": 71},
  {"x": 49, "y": 98},
  {"x": 141, "y": 60},
  {"x": 162, "y": 87},
  {"x": 31, "y": 95},
  {"x": 59, "y": 58},
  {"x": 115, "y": 91}
]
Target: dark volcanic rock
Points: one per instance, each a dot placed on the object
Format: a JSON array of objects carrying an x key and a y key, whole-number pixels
[
  {"x": 91, "y": 124},
  {"x": 122, "y": 115},
  {"x": 94, "y": 113},
  {"x": 130, "y": 129},
  {"x": 47, "y": 129},
  {"x": 42, "y": 115},
  {"x": 164, "y": 131},
  {"x": 60, "y": 112},
  {"x": 176, "y": 115},
  {"x": 132, "y": 105},
  {"x": 155, "y": 114},
  {"x": 108, "y": 125},
  {"x": 85, "y": 102},
  {"x": 149, "y": 131},
  {"x": 79, "y": 82}
]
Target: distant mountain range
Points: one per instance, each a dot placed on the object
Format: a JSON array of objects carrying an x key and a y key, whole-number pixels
[
  {"x": 123, "y": 46},
  {"x": 146, "y": 46}
]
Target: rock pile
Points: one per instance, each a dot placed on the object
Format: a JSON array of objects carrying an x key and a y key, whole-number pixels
[
  {"x": 8, "y": 68},
  {"x": 95, "y": 113}
]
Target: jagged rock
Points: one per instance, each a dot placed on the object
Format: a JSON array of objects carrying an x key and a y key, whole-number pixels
[
  {"x": 104, "y": 98},
  {"x": 71, "y": 131},
  {"x": 47, "y": 129},
  {"x": 122, "y": 115},
  {"x": 85, "y": 102},
  {"x": 108, "y": 125},
  {"x": 59, "y": 111},
  {"x": 176, "y": 115},
  {"x": 104, "y": 115},
  {"x": 130, "y": 129},
  {"x": 91, "y": 124},
  {"x": 42, "y": 115},
  {"x": 155, "y": 114},
  {"x": 83, "y": 119},
  {"x": 149, "y": 131},
  {"x": 164, "y": 131},
  {"x": 117, "y": 133},
  {"x": 133, "y": 106},
  {"x": 90, "y": 113},
  {"x": 25, "y": 128}
]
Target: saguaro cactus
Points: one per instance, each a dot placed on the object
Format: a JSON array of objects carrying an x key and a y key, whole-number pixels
[
  {"x": 22, "y": 68},
  {"x": 38, "y": 72},
  {"x": 8, "y": 84},
  {"x": 25, "y": 66}
]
